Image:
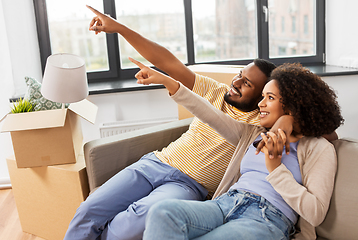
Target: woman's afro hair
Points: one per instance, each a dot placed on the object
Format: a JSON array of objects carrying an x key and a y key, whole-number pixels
[{"x": 308, "y": 99}]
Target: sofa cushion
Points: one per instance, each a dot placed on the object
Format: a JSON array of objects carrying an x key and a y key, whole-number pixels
[{"x": 342, "y": 217}]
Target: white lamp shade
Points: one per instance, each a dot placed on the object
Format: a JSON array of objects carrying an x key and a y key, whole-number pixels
[{"x": 65, "y": 78}]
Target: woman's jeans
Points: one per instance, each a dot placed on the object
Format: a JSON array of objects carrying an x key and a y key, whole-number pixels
[
  {"x": 117, "y": 209},
  {"x": 234, "y": 215}
]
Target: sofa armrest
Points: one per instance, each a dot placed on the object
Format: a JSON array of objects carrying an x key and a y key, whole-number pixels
[
  {"x": 106, "y": 156},
  {"x": 342, "y": 216}
]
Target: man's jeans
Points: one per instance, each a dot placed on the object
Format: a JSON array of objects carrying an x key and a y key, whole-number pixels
[
  {"x": 117, "y": 209},
  {"x": 234, "y": 215}
]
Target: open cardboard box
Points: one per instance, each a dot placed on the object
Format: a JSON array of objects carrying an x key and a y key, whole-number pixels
[{"x": 50, "y": 137}]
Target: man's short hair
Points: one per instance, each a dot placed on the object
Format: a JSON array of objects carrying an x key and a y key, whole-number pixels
[{"x": 265, "y": 66}]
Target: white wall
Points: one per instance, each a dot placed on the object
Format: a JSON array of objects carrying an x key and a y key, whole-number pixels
[
  {"x": 341, "y": 33},
  {"x": 6, "y": 91},
  {"x": 21, "y": 58},
  {"x": 346, "y": 90},
  {"x": 342, "y": 50},
  {"x": 149, "y": 104}
]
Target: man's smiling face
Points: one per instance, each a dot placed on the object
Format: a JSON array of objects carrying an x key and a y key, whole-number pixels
[{"x": 246, "y": 88}]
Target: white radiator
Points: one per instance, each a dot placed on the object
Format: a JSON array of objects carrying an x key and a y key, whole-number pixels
[{"x": 114, "y": 128}]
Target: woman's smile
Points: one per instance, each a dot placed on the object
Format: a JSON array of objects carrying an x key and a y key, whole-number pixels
[
  {"x": 263, "y": 114},
  {"x": 270, "y": 106}
]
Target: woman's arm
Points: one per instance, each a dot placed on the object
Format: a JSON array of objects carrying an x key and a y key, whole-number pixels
[
  {"x": 223, "y": 124},
  {"x": 310, "y": 200},
  {"x": 226, "y": 126},
  {"x": 147, "y": 76},
  {"x": 287, "y": 125},
  {"x": 284, "y": 123},
  {"x": 274, "y": 143}
]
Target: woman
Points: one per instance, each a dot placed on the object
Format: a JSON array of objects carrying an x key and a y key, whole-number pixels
[{"x": 262, "y": 195}]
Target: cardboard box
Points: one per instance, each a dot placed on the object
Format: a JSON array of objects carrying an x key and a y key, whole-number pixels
[
  {"x": 220, "y": 73},
  {"x": 50, "y": 137},
  {"x": 47, "y": 197}
]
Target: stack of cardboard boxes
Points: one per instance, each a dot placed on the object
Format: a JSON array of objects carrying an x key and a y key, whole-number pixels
[{"x": 47, "y": 173}]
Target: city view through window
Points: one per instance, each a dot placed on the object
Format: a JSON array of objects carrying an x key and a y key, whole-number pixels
[{"x": 225, "y": 30}]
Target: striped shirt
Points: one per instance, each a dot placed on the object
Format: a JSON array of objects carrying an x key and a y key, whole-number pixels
[{"x": 200, "y": 152}]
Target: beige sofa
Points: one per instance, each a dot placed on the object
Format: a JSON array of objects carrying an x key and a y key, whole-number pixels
[{"x": 105, "y": 157}]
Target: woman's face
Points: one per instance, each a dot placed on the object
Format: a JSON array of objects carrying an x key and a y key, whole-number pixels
[{"x": 270, "y": 106}]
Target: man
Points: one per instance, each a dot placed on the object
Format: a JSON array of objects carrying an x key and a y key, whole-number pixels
[{"x": 189, "y": 168}]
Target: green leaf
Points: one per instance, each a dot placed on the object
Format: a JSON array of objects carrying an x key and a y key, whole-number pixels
[{"x": 23, "y": 105}]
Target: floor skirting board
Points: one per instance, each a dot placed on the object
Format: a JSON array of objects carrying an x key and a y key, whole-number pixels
[{"x": 5, "y": 183}]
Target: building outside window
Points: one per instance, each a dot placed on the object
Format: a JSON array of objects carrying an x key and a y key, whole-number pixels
[
  {"x": 161, "y": 21},
  {"x": 293, "y": 28},
  {"x": 282, "y": 24},
  {"x": 297, "y": 41},
  {"x": 305, "y": 24}
]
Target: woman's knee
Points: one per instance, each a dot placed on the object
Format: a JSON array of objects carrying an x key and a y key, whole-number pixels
[
  {"x": 162, "y": 221},
  {"x": 164, "y": 209}
]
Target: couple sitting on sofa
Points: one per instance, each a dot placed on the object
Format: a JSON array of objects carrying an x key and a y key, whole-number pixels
[{"x": 282, "y": 188}]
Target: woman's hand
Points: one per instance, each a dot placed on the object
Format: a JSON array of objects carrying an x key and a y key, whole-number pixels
[
  {"x": 275, "y": 143},
  {"x": 147, "y": 76},
  {"x": 285, "y": 123},
  {"x": 102, "y": 22}
]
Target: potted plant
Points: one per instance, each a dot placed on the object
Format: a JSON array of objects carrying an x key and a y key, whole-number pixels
[{"x": 23, "y": 105}]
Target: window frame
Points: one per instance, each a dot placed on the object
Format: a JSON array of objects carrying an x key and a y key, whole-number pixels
[{"x": 115, "y": 73}]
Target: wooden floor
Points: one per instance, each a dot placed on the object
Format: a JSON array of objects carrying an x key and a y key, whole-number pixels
[{"x": 10, "y": 227}]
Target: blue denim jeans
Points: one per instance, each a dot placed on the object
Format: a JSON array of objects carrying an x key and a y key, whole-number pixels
[
  {"x": 117, "y": 210},
  {"x": 234, "y": 215}
]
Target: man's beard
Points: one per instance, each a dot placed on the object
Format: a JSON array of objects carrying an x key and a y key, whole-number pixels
[{"x": 242, "y": 106}]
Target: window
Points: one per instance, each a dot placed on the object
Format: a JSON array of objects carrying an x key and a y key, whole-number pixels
[
  {"x": 222, "y": 32},
  {"x": 163, "y": 24},
  {"x": 272, "y": 24},
  {"x": 299, "y": 41},
  {"x": 293, "y": 28},
  {"x": 305, "y": 24},
  {"x": 68, "y": 33},
  {"x": 283, "y": 24}
]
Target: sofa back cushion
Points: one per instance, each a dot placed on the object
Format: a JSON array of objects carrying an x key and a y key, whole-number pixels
[{"x": 342, "y": 217}]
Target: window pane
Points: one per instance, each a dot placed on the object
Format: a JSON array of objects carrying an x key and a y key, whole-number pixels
[
  {"x": 68, "y": 24},
  {"x": 161, "y": 21},
  {"x": 292, "y": 28},
  {"x": 225, "y": 30}
]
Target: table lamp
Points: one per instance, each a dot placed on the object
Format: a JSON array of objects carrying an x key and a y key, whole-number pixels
[{"x": 65, "y": 79}]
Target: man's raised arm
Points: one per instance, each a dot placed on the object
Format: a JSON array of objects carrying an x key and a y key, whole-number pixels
[{"x": 158, "y": 55}]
